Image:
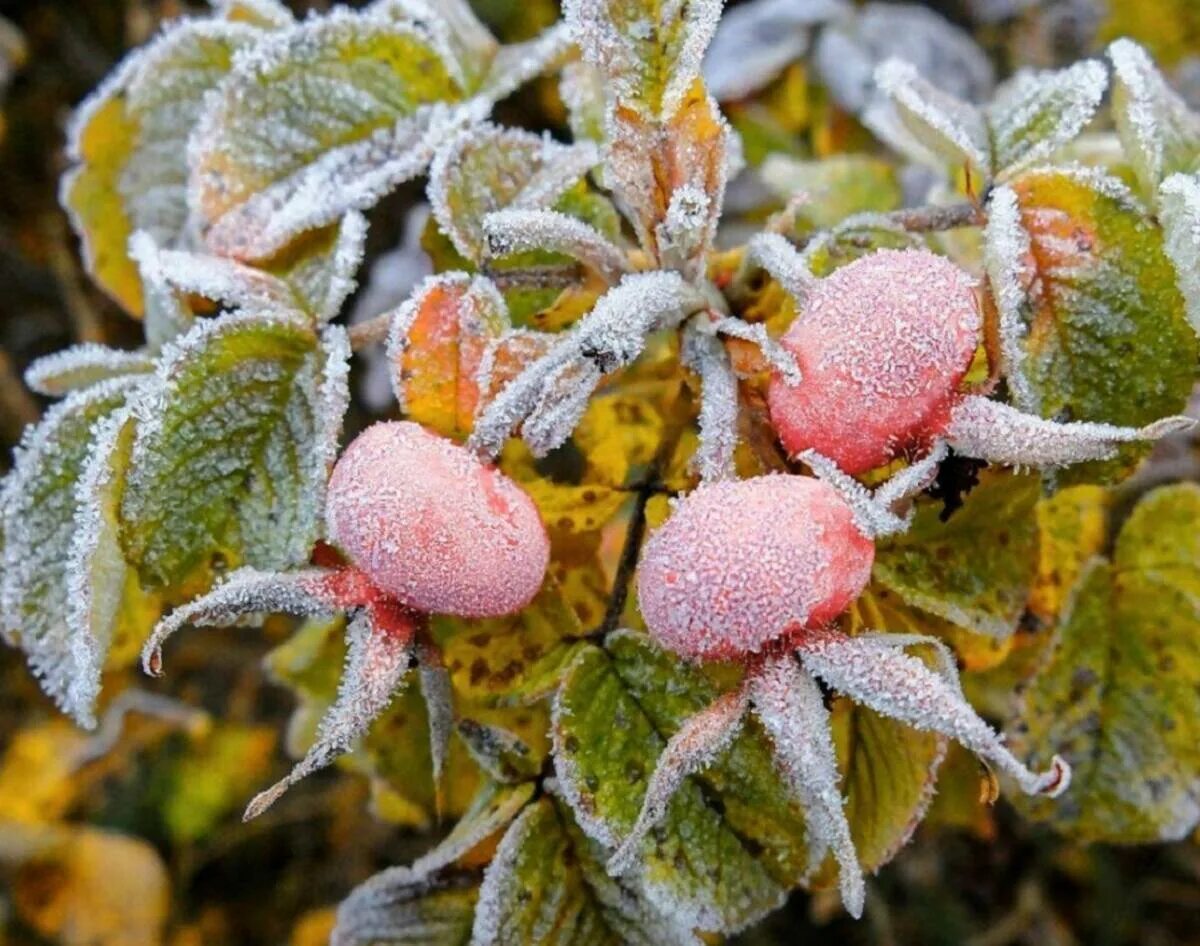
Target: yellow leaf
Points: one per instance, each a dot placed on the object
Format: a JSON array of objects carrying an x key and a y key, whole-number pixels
[{"x": 1072, "y": 527}]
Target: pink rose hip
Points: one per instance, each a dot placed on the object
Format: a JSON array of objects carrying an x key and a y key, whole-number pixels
[
  {"x": 433, "y": 526},
  {"x": 741, "y": 564},
  {"x": 882, "y": 345}
]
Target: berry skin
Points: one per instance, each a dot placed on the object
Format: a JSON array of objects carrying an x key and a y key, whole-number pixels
[
  {"x": 882, "y": 345},
  {"x": 743, "y": 563},
  {"x": 433, "y": 526}
]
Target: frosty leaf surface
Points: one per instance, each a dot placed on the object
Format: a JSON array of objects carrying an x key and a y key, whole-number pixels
[
  {"x": 1119, "y": 692},
  {"x": 128, "y": 147},
  {"x": 489, "y": 168},
  {"x": 974, "y": 569},
  {"x": 492, "y": 811},
  {"x": 400, "y": 908},
  {"x": 320, "y": 267},
  {"x": 235, "y": 440},
  {"x": 1179, "y": 214},
  {"x": 40, "y": 510},
  {"x": 695, "y": 866},
  {"x": 1100, "y": 292},
  {"x": 1159, "y": 132},
  {"x": 81, "y": 366},
  {"x": 317, "y": 120},
  {"x": 1036, "y": 113},
  {"x": 835, "y": 187},
  {"x": 648, "y": 50}
]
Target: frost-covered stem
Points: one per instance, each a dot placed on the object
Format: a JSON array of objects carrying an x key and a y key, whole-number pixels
[
  {"x": 782, "y": 361},
  {"x": 702, "y": 737},
  {"x": 706, "y": 356},
  {"x": 935, "y": 219},
  {"x": 897, "y": 685},
  {"x": 373, "y": 331},
  {"x": 873, "y": 518},
  {"x": 535, "y": 277}
]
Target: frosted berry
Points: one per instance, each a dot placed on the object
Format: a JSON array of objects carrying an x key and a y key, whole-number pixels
[
  {"x": 433, "y": 526},
  {"x": 741, "y": 563},
  {"x": 882, "y": 345}
]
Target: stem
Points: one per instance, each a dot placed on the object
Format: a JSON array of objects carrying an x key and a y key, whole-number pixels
[{"x": 371, "y": 332}]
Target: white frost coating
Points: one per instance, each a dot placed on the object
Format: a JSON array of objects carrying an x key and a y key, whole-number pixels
[
  {"x": 332, "y": 402},
  {"x": 96, "y": 569},
  {"x": 1017, "y": 115},
  {"x": 306, "y": 592},
  {"x": 581, "y": 87},
  {"x": 500, "y": 884},
  {"x": 83, "y": 365},
  {"x": 439, "y": 705},
  {"x": 562, "y": 402},
  {"x": 685, "y": 234},
  {"x": 464, "y": 44},
  {"x": 40, "y": 512},
  {"x": 792, "y": 710},
  {"x": 873, "y": 518},
  {"x": 1160, "y": 133},
  {"x": 782, "y": 361},
  {"x": 989, "y": 430},
  {"x": 268, "y": 12},
  {"x": 1179, "y": 211},
  {"x": 493, "y": 808},
  {"x": 610, "y": 337},
  {"x": 901, "y": 687},
  {"x": 625, "y": 52},
  {"x": 377, "y": 661},
  {"x": 913, "y": 479},
  {"x": 1006, "y": 258},
  {"x": 391, "y": 907},
  {"x": 705, "y": 355},
  {"x": 338, "y": 272},
  {"x": 518, "y": 63},
  {"x": 783, "y": 263},
  {"x": 755, "y": 41},
  {"x": 519, "y": 231},
  {"x": 216, "y": 278},
  {"x": 954, "y": 129},
  {"x": 694, "y": 746},
  {"x": 353, "y": 177}
]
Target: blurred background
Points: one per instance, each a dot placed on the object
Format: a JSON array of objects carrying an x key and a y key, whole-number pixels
[{"x": 107, "y": 838}]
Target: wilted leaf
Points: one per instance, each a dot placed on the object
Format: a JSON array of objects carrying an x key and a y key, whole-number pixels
[
  {"x": 1100, "y": 293},
  {"x": 128, "y": 147},
  {"x": 320, "y": 119},
  {"x": 975, "y": 569},
  {"x": 1118, "y": 694},
  {"x": 234, "y": 445},
  {"x": 436, "y": 344},
  {"x": 1159, "y": 132}
]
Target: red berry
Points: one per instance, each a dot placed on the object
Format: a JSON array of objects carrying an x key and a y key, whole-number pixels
[
  {"x": 433, "y": 526},
  {"x": 882, "y": 345},
  {"x": 742, "y": 563}
]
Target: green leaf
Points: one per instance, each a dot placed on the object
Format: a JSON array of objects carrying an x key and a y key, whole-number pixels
[
  {"x": 1119, "y": 692},
  {"x": 319, "y": 268},
  {"x": 40, "y": 525},
  {"x": 648, "y": 50},
  {"x": 976, "y": 569},
  {"x": 1036, "y": 113},
  {"x": 129, "y": 143},
  {"x": 835, "y": 187},
  {"x": 320, "y": 119},
  {"x": 1096, "y": 291},
  {"x": 234, "y": 446},
  {"x": 695, "y": 866},
  {"x": 1159, "y": 132}
]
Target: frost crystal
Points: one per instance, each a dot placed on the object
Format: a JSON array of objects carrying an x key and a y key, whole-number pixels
[
  {"x": 705, "y": 355},
  {"x": 81, "y": 366},
  {"x": 392, "y": 907},
  {"x": 783, "y": 263},
  {"x": 518, "y": 63},
  {"x": 493, "y": 808},
  {"x": 1006, "y": 256},
  {"x": 897, "y": 685},
  {"x": 694, "y": 746},
  {"x": 792, "y": 710},
  {"x": 609, "y": 337},
  {"x": 520, "y": 231},
  {"x": 741, "y": 564},
  {"x": 995, "y": 432},
  {"x": 438, "y": 695},
  {"x": 686, "y": 232},
  {"x": 1179, "y": 203}
]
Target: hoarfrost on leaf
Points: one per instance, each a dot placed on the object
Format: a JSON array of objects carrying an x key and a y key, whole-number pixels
[
  {"x": 399, "y": 906},
  {"x": 1179, "y": 212},
  {"x": 1006, "y": 251},
  {"x": 706, "y": 356},
  {"x": 521, "y": 231},
  {"x": 492, "y": 809},
  {"x": 81, "y": 366}
]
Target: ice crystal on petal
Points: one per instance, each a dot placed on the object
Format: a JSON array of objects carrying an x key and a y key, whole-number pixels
[
  {"x": 377, "y": 661},
  {"x": 1179, "y": 210},
  {"x": 792, "y": 710},
  {"x": 900, "y": 686},
  {"x": 992, "y": 431},
  {"x": 1006, "y": 257},
  {"x": 705, "y": 355},
  {"x": 609, "y": 337},
  {"x": 306, "y": 592},
  {"x": 81, "y": 366},
  {"x": 740, "y": 564},
  {"x": 694, "y": 746},
  {"x": 519, "y": 231},
  {"x": 755, "y": 41},
  {"x": 952, "y": 128},
  {"x": 1017, "y": 117},
  {"x": 1159, "y": 132}
]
